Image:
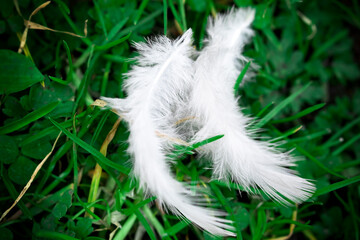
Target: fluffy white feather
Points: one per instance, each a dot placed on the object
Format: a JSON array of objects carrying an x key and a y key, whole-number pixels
[
  {"x": 156, "y": 87},
  {"x": 237, "y": 155}
]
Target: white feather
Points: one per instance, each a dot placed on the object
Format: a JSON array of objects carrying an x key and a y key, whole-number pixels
[
  {"x": 237, "y": 155},
  {"x": 156, "y": 87}
]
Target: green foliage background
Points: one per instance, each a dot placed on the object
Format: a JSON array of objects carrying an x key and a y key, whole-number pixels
[{"x": 52, "y": 85}]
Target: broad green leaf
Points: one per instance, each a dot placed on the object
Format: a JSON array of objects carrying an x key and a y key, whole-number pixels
[
  {"x": 62, "y": 206},
  {"x": 17, "y": 72},
  {"x": 83, "y": 227},
  {"x": 21, "y": 170},
  {"x": 6, "y": 234},
  {"x": 8, "y": 149},
  {"x": 37, "y": 149},
  {"x": 13, "y": 108}
]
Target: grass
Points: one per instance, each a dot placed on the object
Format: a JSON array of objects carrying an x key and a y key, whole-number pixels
[{"x": 305, "y": 95}]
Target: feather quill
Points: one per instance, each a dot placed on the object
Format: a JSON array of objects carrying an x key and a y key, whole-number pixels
[
  {"x": 156, "y": 87},
  {"x": 251, "y": 163}
]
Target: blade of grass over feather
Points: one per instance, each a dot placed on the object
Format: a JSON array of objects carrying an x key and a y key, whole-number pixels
[
  {"x": 279, "y": 107},
  {"x": 241, "y": 77},
  {"x": 27, "y": 119},
  {"x": 336, "y": 186},
  {"x": 300, "y": 114},
  {"x": 188, "y": 150},
  {"x": 101, "y": 158}
]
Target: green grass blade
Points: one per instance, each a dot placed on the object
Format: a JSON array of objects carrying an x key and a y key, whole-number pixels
[
  {"x": 182, "y": 14},
  {"x": 165, "y": 16},
  {"x": 308, "y": 137},
  {"x": 241, "y": 77},
  {"x": 342, "y": 131},
  {"x": 135, "y": 207},
  {"x": 155, "y": 222},
  {"x": 346, "y": 145},
  {"x": 124, "y": 231},
  {"x": 29, "y": 118},
  {"x": 300, "y": 114},
  {"x": 116, "y": 29},
  {"x": 173, "y": 230},
  {"x": 101, "y": 158},
  {"x": 113, "y": 43},
  {"x": 317, "y": 162},
  {"x": 264, "y": 109},
  {"x": 69, "y": 76},
  {"x": 140, "y": 11},
  {"x": 101, "y": 17},
  {"x": 145, "y": 224},
  {"x": 336, "y": 186},
  {"x": 325, "y": 46},
  {"x": 105, "y": 79},
  {"x": 279, "y": 107},
  {"x": 175, "y": 13}
]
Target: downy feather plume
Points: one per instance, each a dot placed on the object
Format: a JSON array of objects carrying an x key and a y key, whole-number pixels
[
  {"x": 156, "y": 86},
  {"x": 249, "y": 162}
]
